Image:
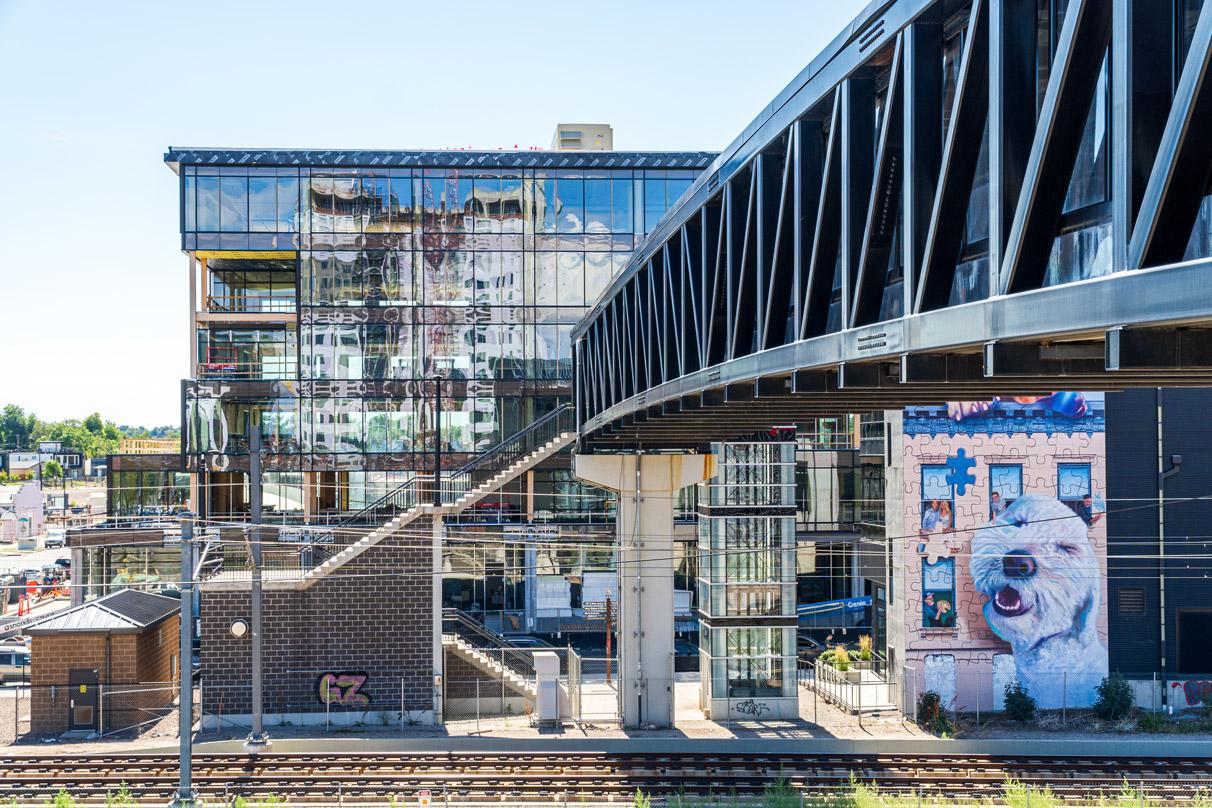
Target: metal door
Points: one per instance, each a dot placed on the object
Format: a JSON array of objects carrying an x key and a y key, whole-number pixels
[{"x": 82, "y": 701}]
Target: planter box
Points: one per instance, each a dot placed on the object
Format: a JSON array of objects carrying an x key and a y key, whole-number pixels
[{"x": 854, "y": 675}]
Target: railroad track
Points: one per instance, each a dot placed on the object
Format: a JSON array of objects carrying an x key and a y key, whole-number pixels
[{"x": 539, "y": 777}]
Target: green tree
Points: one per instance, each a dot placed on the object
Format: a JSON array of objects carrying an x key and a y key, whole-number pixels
[
  {"x": 17, "y": 427},
  {"x": 51, "y": 470},
  {"x": 94, "y": 424}
]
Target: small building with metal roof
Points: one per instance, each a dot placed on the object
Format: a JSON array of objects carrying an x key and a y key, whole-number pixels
[{"x": 108, "y": 665}]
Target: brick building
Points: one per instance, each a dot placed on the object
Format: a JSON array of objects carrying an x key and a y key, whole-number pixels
[
  {"x": 359, "y": 640},
  {"x": 105, "y": 665}
]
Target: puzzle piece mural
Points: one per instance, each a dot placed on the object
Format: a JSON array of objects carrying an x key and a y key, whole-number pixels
[
  {"x": 967, "y": 470},
  {"x": 959, "y": 471}
]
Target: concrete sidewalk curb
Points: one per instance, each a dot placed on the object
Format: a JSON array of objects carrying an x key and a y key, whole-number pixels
[{"x": 1016, "y": 748}]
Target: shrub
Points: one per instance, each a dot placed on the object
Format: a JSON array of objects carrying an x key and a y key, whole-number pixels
[
  {"x": 62, "y": 799},
  {"x": 864, "y": 647},
  {"x": 930, "y": 714},
  {"x": 929, "y": 706},
  {"x": 1115, "y": 698},
  {"x": 780, "y": 794},
  {"x": 1021, "y": 795},
  {"x": 641, "y": 800},
  {"x": 1151, "y": 722},
  {"x": 123, "y": 798},
  {"x": 1020, "y": 705}
]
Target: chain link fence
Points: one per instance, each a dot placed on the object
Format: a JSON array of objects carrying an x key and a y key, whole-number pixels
[
  {"x": 976, "y": 700},
  {"x": 89, "y": 710}
]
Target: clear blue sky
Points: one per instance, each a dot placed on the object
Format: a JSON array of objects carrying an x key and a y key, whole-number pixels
[{"x": 93, "y": 287}]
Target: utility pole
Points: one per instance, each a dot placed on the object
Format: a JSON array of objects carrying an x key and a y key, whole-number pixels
[
  {"x": 185, "y": 797},
  {"x": 258, "y": 739},
  {"x": 609, "y": 633}
]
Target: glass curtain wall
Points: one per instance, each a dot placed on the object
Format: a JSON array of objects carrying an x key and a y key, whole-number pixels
[
  {"x": 747, "y": 574},
  {"x": 407, "y": 276}
]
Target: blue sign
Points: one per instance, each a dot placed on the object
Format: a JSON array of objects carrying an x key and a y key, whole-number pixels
[{"x": 827, "y": 606}]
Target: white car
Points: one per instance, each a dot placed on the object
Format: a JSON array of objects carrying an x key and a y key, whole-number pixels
[
  {"x": 14, "y": 663},
  {"x": 55, "y": 537}
]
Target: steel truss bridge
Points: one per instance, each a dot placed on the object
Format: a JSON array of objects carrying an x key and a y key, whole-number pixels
[{"x": 765, "y": 294}]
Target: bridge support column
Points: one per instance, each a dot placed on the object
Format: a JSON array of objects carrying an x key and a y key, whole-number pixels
[{"x": 647, "y": 486}]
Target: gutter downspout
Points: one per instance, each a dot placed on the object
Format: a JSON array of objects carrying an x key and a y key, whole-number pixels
[{"x": 1163, "y": 474}]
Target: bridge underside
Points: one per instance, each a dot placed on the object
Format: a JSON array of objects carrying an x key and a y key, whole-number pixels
[
  {"x": 853, "y": 250},
  {"x": 755, "y": 394}
]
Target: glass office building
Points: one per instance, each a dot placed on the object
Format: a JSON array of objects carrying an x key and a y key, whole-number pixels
[{"x": 370, "y": 309}]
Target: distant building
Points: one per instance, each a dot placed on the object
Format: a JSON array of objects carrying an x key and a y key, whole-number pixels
[
  {"x": 22, "y": 511},
  {"x": 149, "y": 446},
  {"x": 27, "y": 464},
  {"x": 583, "y": 137}
]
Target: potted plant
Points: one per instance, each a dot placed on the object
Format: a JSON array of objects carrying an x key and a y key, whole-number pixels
[
  {"x": 864, "y": 652},
  {"x": 840, "y": 659}
]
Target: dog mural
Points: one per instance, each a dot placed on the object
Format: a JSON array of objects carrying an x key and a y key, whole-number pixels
[{"x": 1038, "y": 568}]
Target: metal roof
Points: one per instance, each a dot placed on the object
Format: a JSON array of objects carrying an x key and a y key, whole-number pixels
[
  {"x": 452, "y": 158},
  {"x": 125, "y": 611}
]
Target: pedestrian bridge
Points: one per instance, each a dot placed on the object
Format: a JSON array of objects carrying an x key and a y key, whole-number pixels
[{"x": 953, "y": 200}]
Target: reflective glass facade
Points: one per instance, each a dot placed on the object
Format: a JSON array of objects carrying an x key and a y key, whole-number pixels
[
  {"x": 747, "y": 576},
  {"x": 370, "y": 308}
]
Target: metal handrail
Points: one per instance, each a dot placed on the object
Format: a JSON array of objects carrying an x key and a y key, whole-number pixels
[
  {"x": 485, "y": 466},
  {"x": 455, "y": 484},
  {"x": 484, "y": 639}
]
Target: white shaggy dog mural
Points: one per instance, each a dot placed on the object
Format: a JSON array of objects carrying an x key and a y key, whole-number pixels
[{"x": 1040, "y": 572}]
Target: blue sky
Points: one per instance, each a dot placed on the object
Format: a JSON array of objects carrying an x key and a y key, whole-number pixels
[{"x": 93, "y": 287}]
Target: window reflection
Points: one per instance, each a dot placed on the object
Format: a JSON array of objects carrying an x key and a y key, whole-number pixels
[{"x": 404, "y": 275}]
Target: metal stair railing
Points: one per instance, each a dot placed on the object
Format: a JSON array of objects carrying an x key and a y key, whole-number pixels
[
  {"x": 496, "y": 647},
  {"x": 487, "y": 465},
  {"x": 332, "y": 539}
]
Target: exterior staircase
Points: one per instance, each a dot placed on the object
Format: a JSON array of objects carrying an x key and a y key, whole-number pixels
[
  {"x": 401, "y": 508},
  {"x": 488, "y": 652},
  {"x": 463, "y": 500}
]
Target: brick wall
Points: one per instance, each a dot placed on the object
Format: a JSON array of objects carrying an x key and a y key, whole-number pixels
[
  {"x": 372, "y": 616},
  {"x": 125, "y": 665}
]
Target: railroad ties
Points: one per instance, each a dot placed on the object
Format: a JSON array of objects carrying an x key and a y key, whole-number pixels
[{"x": 598, "y": 776}]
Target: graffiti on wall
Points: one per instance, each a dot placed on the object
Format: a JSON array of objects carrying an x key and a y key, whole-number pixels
[
  {"x": 753, "y": 708},
  {"x": 342, "y": 689},
  {"x": 1195, "y": 691}
]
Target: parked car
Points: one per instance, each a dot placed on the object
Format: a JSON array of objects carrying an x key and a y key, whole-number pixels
[
  {"x": 528, "y": 641},
  {"x": 14, "y": 663},
  {"x": 685, "y": 656},
  {"x": 55, "y": 538},
  {"x": 807, "y": 648},
  {"x": 494, "y": 510}
]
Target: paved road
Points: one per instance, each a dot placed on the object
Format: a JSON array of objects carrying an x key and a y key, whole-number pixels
[{"x": 14, "y": 559}]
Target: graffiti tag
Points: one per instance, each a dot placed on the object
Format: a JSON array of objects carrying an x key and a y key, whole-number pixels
[
  {"x": 751, "y": 707},
  {"x": 1197, "y": 691},
  {"x": 343, "y": 689}
]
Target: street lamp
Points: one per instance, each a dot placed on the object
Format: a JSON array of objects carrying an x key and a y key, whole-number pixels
[{"x": 258, "y": 738}]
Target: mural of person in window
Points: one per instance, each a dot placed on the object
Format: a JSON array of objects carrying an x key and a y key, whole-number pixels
[
  {"x": 945, "y": 521},
  {"x": 1085, "y": 510},
  {"x": 937, "y": 613},
  {"x": 997, "y": 505},
  {"x": 932, "y": 516}
]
